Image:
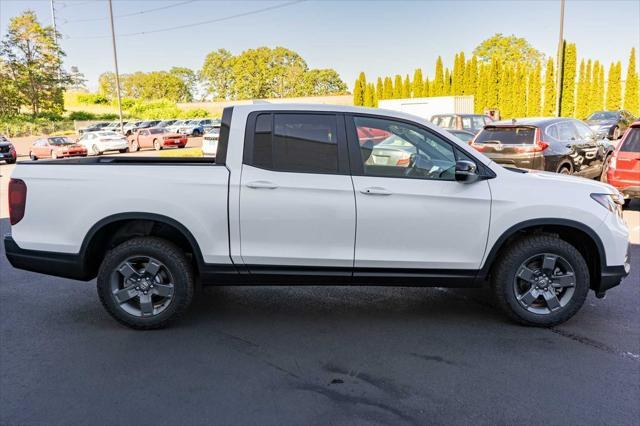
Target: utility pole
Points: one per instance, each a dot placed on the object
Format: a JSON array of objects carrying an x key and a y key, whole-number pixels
[
  {"x": 560, "y": 67},
  {"x": 55, "y": 40},
  {"x": 115, "y": 61}
]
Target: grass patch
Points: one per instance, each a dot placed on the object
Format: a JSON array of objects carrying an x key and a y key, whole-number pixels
[{"x": 182, "y": 152}]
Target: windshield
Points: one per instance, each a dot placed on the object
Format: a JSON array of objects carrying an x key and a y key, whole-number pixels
[
  {"x": 112, "y": 134},
  {"x": 632, "y": 141},
  {"x": 603, "y": 115},
  {"x": 507, "y": 135},
  {"x": 60, "y": 140}
]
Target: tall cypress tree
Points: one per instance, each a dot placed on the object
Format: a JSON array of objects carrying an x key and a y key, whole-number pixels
[
  {"x": 593, "y": 88},
  {"x": 588, "y": 84},
  {"x": 457, "y": 77},
  {"x": 582, "y": 106},
  {"x": 397, "y": 87},
  {"x": 406, "y": 87},
  {"x": 534, "y": 91},
  {"x": 379, "y": 89},
  {"x": 388, "y": 88},
  {"x": 568, "y": 100},
  {"x": 549, "y": 108},
  {"x": 519, "y": 102},
  {"x": 426, "y": 92},
  {"x": 614, "y": 90},
  {"x": 601, "y": 88},
  {"x": 446, "y": 91},
  {"x": 505, "y": 92},
  {"x": 359, "y": 89},
  {"x": 438, "y": 80},
  {"x": 471, "y": 77},
  {"x": 480, "y": 95},
  {"x": 368, "y": 95},
  {"x": 418, "y": 84},
  {"x": 631, "y": 91},
  {"x": 493, "y": 83}
]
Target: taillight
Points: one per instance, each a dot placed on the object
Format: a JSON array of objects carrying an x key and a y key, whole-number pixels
[
  {"x": 17, "y": 200},
  {"x": 404, "y": 161}
]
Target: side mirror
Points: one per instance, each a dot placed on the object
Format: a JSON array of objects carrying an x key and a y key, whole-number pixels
[{"x": 466, "y": 171}]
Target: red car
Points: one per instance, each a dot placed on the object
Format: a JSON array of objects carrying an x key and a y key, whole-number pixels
[
  {"x": 624, "y": 169},
  {"x": 157, "y": 138},
  {"x": 56, "y": 147}
]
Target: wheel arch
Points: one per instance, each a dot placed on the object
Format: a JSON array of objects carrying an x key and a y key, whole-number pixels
[
  {"x": 581, "y": 236},
  {"x": 115, "y": 229}
]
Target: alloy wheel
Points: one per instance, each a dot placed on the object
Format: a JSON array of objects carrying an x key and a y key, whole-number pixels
[
  {"x": 142, "y": 286},
  {"x": 544, "y": 283}
]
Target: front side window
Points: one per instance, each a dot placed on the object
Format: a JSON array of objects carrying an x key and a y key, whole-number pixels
[
  {"x": 408, "y": 151},
  {"x": 303, "y": 143},
  {"x": 632, "y": 141}
]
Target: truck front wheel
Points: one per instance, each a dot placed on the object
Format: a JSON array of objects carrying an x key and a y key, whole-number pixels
[
  {"x": 145, "y": 283},
  {"x": 541, "y": 280}
]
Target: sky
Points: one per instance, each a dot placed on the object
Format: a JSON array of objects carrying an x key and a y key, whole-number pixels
[{"x": 378, "y": 37}]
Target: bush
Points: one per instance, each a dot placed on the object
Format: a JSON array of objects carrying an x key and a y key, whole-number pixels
[
  {"x": 25, "y": 125},
  {"x": 91, "y": 99},
  {"x": 194, "y": 113},
  {"x": 81, "y": 116}
]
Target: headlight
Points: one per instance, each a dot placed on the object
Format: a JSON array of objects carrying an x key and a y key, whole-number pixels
[{"x": 611, "y": 202}]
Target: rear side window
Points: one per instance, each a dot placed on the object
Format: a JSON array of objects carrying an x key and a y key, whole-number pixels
[
  {"x": 507, "y": 135},
  {"x": 303, "y": 143},
  {"x": 632, "y": 141}
]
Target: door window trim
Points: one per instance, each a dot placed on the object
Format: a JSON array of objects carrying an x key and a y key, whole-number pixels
[
  {"x": 355, "y": 157},
  {"x": 341, "y": 140}
]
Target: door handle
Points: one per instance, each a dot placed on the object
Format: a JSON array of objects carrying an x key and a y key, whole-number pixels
[
  {"x": 262, "y": 184},
  {"x": 375, "y": 190}
]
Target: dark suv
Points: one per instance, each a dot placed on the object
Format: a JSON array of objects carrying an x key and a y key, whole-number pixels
[{"x": 562, "y": 145}]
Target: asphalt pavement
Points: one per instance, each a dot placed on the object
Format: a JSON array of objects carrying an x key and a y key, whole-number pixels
[{"x": 314, "y": 356}]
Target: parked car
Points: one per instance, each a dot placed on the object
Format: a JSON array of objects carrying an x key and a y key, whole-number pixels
[
  {"x": 157, "y": 138},
  {"x": 115, "y": 126},
  {"x": 7, "y": 151},
  {"x": 147, "y": 125},
  {"x": 292, "y": 198},
  {"x": 97, "y": 143},
  {"x": 165, "y": 123},
  {"x": 210, "y": 141},
  {"x": 197, "y": 127},
  {"x": 176, "y": 125},
  {"x": 470, "y": 122},
  {"x": 56, "y": 147},
  {"x": 562, "y": 145},
  {"x": 94, "y": 127},
  {"x": 624, "y": 169},
  {"x": 131, "y": 127},
  {"x": 610, "y": 124},
  {"x": 463, "y": 135}
]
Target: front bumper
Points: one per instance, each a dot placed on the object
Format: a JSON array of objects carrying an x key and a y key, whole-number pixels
[{"x": 64, "y": 265}]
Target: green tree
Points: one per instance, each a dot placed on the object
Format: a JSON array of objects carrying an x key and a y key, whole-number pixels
[
  {"x": 10, "y": 101},
  {"x": 190, "y": 79},
  {"x": 509, "y": 49},
  {"x": 582, "y": 99},
  {"x": 369, "y": 95},
  {"x": 388, "y": 88},
  {"x": 458, "y": 75},
  {"x": 32, "y": 61},
  {"x": 470, "y": 77},
  {"x": 596, "y": 95},
  {"x": 397, "y": 87},
  {"x": 493, "y": 83},
  {"x": 446, "y": 91},
  {"x": 359, "y": 90},
  {"x": 406, "y": 87},
  {"x": 379, "y": 89},
  {"x": 438, "y": 80},
  {"x": 321, "y": 82},
  {"x": 614, "y": 89},
  {"x": 549, "y": 108},
  {"x": 534, "y": 91},
  {"x": 418, "y": 84},
  {"x": 519, "y": 95},
  {"x": 426, "y": 91},
  {"x": 631, "y": 90},
  {"x": 480, "y": 101},
  {"x": 217, "y": 74},
  {"x": 568, "y": 98},
  {"x": 505, "y": 91}
]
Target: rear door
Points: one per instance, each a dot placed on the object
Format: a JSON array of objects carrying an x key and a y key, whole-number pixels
[
  {"x": 297, "y": 206},
  {"x": 412, "y": 214},
  {"x": 628, "y": 158}
]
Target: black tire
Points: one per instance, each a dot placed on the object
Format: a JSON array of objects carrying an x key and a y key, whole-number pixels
[
  {"x": 504, "y": 279},
  {"x": 32, "y": 157},
  {"x": 627, "y": 202},
  {"x": 12, "y": 161},
  {"x": 174, "y": 261},
  {"x": 123, "y": 151},
  {"x": 135, "y": 147},
  {"x": 565, "y": 170},
  {"x": 156, "y": 145}
]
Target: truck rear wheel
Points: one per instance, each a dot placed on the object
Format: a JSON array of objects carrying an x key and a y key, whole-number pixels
[
  {"x": 541, "y": 280},
  {"x": 145, "y": 283}
]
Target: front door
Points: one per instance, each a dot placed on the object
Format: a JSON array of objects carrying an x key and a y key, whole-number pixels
[
  {"x": 412, "y": 214},
  {"x": 296, "y": 198}
]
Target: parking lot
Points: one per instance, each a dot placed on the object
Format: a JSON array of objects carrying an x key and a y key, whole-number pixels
[{"x": 314, "y": 355}]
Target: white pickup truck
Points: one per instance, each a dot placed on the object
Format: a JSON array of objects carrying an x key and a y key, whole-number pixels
[{"x": 306, "y": 194}]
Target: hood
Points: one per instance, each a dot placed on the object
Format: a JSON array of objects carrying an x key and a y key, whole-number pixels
[
  {"x": 601, "y": 122},
  {"x": 557, "y": 178}
]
